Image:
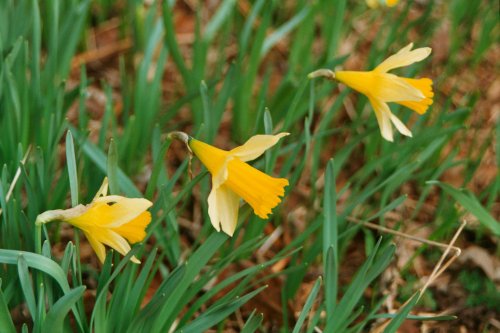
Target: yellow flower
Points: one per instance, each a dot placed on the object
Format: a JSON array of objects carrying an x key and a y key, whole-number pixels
[
  {"x": 376, "y": 3},
  {"x": 381, "y": 87},
  {"x": 233, "y": 179},
  {"x": 108, "y": 220}
]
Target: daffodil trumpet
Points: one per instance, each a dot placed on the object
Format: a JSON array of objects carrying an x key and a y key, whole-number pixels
[
  {"x": 382, "y": 87},
  {"x": 110, "y": 220},
  {"x": 233, "y": 178}
]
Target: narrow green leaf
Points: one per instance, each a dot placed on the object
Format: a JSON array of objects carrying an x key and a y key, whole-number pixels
[
  {"x": 214, "y": 315},
  {"x": 470, "y": 202},
  {"x": 54, "y": 322},
  {"x": 193, "y": 266},
  {"x": 6, "y": 323},
  {"x": 223, "y": 13},
  {"x": 112, "y": 168},
  {"x": 330, "y": 237},
  {"x": 43, "y": 264},
  {"x": 99, "y": 158},
  {"x": 307, "y": 306},
  {"x": 396, "y": 322},
  {"x": 282, "y": 31},
  {"x": 253, "y": 323},
  {"x": 72, "y": 172},
  {"x": 26, "y": 285}
]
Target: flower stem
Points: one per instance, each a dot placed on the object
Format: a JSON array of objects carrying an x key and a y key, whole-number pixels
[
  {"x": 38, "y": 238},
  {"x": 322, "y": 72}
]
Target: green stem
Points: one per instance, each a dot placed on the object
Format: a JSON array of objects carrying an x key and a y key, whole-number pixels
[{"x": 38, "y": 238}]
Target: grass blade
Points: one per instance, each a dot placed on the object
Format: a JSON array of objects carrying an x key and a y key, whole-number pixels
[{"x": 307, "y": 306}]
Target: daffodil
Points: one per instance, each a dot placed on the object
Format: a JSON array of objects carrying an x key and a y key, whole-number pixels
[
  {"x": 381, "y": 88},
  {"x": 233, "y": 179},
  {"x": 108, "y": 220},
  {"x": 376, "y": 3}
]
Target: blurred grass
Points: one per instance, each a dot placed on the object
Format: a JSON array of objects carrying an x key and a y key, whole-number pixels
[{"x": 242, "y": 71}]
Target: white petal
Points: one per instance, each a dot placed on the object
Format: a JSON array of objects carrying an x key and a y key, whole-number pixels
[
  {"x": 404, "y": 57},
  {"x": 223, "y": 206},
  {"x": 120, "y": 210},
  {"x": 256, "y": 146},
  {"x": 400, "y": 126},
  {"x": 382, "y": 112}
]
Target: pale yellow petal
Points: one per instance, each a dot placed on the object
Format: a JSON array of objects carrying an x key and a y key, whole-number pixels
[
  {"x": 220, "y": 177},
  {"x": 117, "y": 242},
  {"x": 400, "y": 126},
  {"x": 213, "y": 210},
  {"x": 392, "y": 88},
  {"x": 372, "y": 3},
  {"x": 404, "y": 57},
  {"x": 223, "y": 206},
  {"x": 382, "y": 112},
  {"x": 114, "y": 210},
  {"x": 103, "y": 190},
  {"x": 256, "y": 146},
  {"x": 97, "y": 246}
]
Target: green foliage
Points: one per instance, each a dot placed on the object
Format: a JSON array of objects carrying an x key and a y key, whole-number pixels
[
  {"x": 53, "y": 156},
  {"x": 481, "y": 291}
]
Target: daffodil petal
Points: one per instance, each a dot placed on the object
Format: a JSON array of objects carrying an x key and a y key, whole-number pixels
[
  {"x": 115, "y": 210},
  {"x": 117, "y": 242},
  {"x": 135, "y": 230},
  {"x": 213, "y": 211},
  {"x": 103, "y": 190},
  {"x": 256, "y": 146},
  {"x": 223, "y": 206},
  {"x": 221, "y": 176},
  {"x": 400, "y": 126},
  {"x": 383, "y": 86},
  {"x": 392, "y": 88},
  {"x": 404, "y": 57},
  {"x": 382, "y": 112},
  {"x": 97, "y": 246}
]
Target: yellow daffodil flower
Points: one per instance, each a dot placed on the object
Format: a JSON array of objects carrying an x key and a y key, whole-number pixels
[
  {"x": 108, "y": 220},
  {"x": 376, "y": 3},
  {"x": 381, "y": 87},
  {"x": 233, "y": 179}
]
